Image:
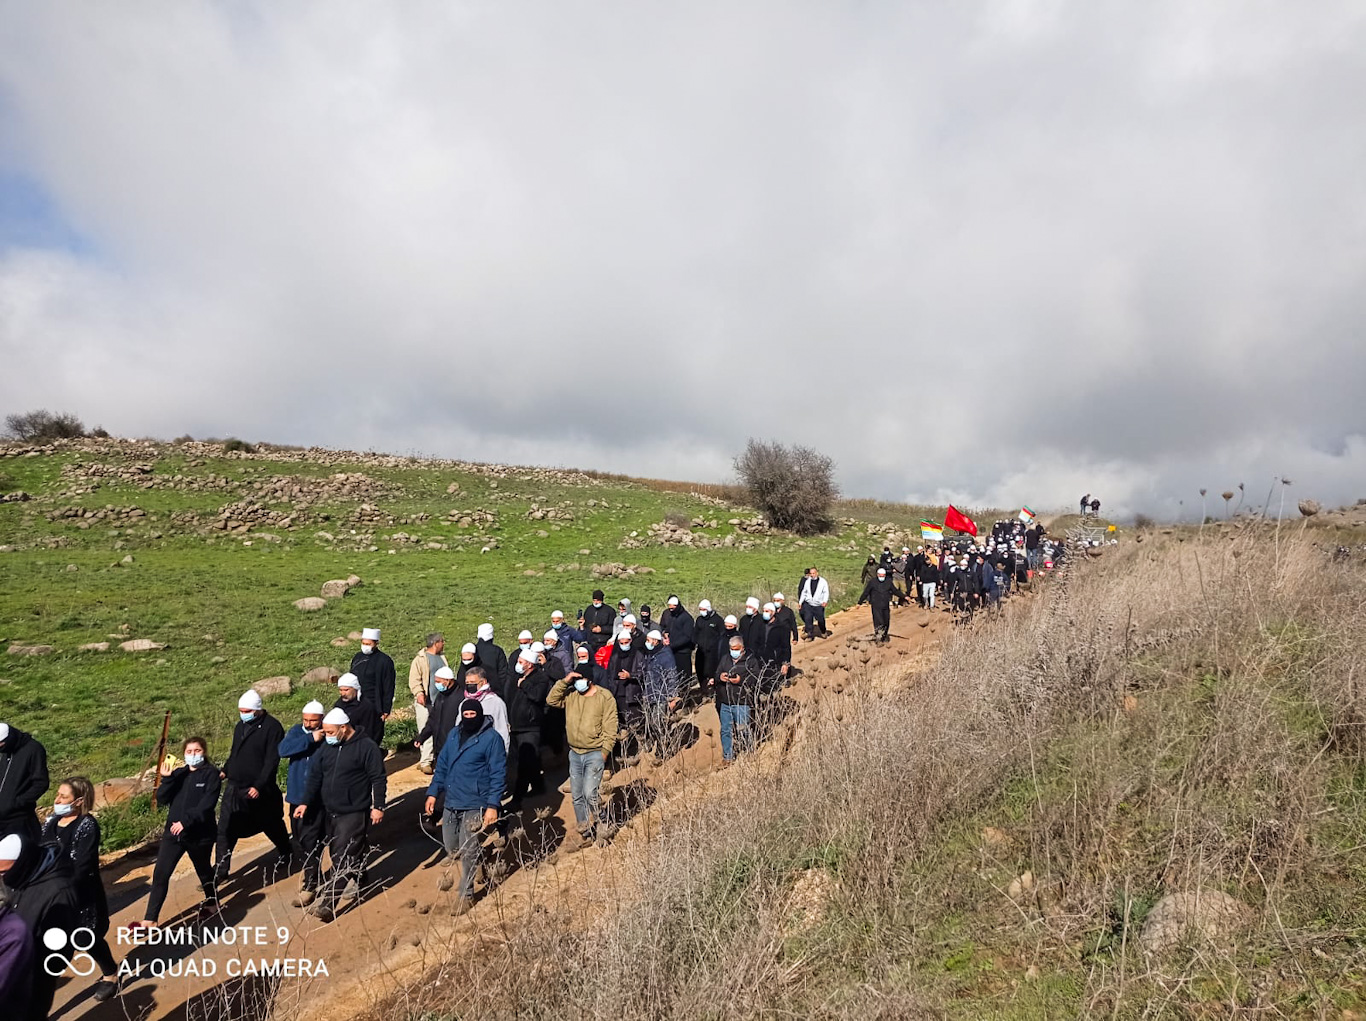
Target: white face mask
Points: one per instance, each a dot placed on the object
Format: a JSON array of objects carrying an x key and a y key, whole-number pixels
[
  {"x": 63, "y": 809},
  {"x": 767, "y": 615},
  {"x": 367, "y": 649},
  {"x": 194, "y": 760},
  {"x": 749, "y": 611},
  {"x": 520, "y": 667}
]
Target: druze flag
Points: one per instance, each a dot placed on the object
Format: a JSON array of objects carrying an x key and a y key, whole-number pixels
[
  {"x": 930, "y": 532},
  {"x": 959, "y": 522},
  {"x": 1027, "y": 515}
]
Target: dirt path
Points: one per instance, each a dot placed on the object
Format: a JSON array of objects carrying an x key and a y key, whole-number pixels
[{"x": 403, "y": 928}]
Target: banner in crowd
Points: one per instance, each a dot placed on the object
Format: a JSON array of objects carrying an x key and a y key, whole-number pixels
[
  {"x": 959, "y": 522},
  {"x": 931, "y": 532},
  {"x": 1027, "y": 515}
]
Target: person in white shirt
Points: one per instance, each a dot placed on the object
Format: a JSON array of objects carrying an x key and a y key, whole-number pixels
[{"x": 814, "y": 595}]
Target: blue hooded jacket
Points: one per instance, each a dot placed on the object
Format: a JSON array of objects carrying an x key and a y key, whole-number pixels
[
  {"x": 471, "y": 771},
  {"x": 298, "y": 747}
]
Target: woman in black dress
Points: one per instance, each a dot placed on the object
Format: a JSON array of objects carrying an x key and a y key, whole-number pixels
[{"x": 77, "y": 833}]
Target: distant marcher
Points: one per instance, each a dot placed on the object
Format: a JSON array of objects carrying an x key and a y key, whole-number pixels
[
  {"x": 730, "y": 628},
  {"x": 375, "y": 671},
  {"x": 1095, "y": 508},
  {"x": 869, "y": 570},
  {"x": 18, "y": 953},
  {"x": 590, "y": 718},
  {"x": 785, "y": 618},
  {"x": 619, "y": 621},
  {"x": 299, "y": 745},
  {"x": 478, "y": 685},
  {"x": 679, "y": 630},
  {"x": 443, "y": 713},
  {"x": 252, "y": 802},
  {"x": 492, "y": 657},
  {"x": 929, "y": 579},
  {"x": 347, "y": 783},
  {"x": 566, "y": 634},
  {"x": 360, "y": 711},
  {"x": 737, "y": 690},
  {"x": 469, "y": 775},
  {"x": 559, "y": 650},
  {"x": 878, "y": 595},
  {"x": 625, "y": 677},
  {"x": 707, "y": 634},
  {"x": 751, "y": 625},
  {"x": 775, "y": 651},
  {"x": 420, "y": 674},
  {"x": 77, "y": 832},
  {"x": 1085, "y": 504},
  {"x": 526, "y": 708},
  {"x": 812, "y": 599},
  {"x": 189, "y": 794},
  {"x": 597, "y": 622},
  {"x": 23, "y": 780},
  {"x": 40, "y": 887},
  {"x": 659, "y": 694}
]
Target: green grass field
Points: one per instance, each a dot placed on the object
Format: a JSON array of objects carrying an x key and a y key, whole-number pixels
[{"x": 221, "y": 603}]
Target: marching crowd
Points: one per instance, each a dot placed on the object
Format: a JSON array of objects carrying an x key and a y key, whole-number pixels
[
  {"x": 595, "y": 695},
  {"x": 601, "y": 693}
]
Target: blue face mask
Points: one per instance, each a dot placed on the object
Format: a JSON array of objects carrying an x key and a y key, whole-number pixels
[
  {"x": 65, "y": 809},
  {"x": 442, "y": 687},
  {"x": 194, "y": 761},
  {"x": 247, "y": 717},
  {"x": 735, "y": 653},
  {"x": 333, "y": 739},
  {"x": 581, "y": 684},
  {"x": 557, "y": 626}
]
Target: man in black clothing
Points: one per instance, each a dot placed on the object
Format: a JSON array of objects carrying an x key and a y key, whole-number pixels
[
  {"x": 707, "y": 635},
  {"x": 252, "y": 802},
  {"x": 375, "y": 671},
  {"x": 492, "y": 657},
  {"x": 348, "y": 784},
  {"x": 359, "y": 710},
  {"x": 878, "y": 594},
  {"x": 444, "y": 713},
  {"x": 526, "y": 710},
  {"x": 625, "y": 678},
  {"x": 678, "y": 628},
  {"x": 23, "y": 780},
  {"x": 784, "y": 617},
  {"x": 776, "y": 651},
  {"x": 737, "y": 693},
  {"x": 596, "y": 622},
  {"x": 40, "y": 886},
  {"x": 752, "y": 625}
]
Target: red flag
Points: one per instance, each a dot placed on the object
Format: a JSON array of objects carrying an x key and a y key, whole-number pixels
[{"x": 959, "y": 522}]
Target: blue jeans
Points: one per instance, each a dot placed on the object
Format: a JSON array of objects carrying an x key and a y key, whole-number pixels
[
  {"x": 734, "y": 724},
  {"x": 460, "y": 833},
  {"x": 585, "y": 779}
]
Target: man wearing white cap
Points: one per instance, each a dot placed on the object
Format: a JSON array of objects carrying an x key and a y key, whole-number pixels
[
  {"x": 421, "y": 673},
  {"x": 23, "y": 780},
  {"x": 40, "y": 886},
  {"x": 299, "y": 745},
  {"x": 707, "y": 629},
  {"x": 751, "y": 626},
  {"x": 524, "y": 641},
  {"x": 252, "y": 802},
  {"x": 347, "y": 785},
  {"x": 526, "y": 710},
  {"x": 679, "y": 630},
  {"x": 560, "y": 650},
  {"x": 359, "y": 710},
  {"x": 492, "y": 657},
  {"x": 784, "y": 617},
  {"x": 375, "y": 671},
  {"x": 566, "y": 633},
  {"x": 659, "y": 695}
]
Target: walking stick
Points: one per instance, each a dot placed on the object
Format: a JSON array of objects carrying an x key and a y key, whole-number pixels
[{"x": 161, "y": 750}]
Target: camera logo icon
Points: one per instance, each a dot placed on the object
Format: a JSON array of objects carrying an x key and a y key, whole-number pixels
[{"x": 68, "y": 950}]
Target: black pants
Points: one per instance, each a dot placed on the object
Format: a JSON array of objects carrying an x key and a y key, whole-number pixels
[
  {"x": 347, "y": 842},
  {"x": 882, "y": 619},
  {"x": 706, "y": 668},
  {"x": 241, "y": 816},
  {"x": 524, "y": 764},
  {"x": 168, "y": 857},
  {"x": 310, "y": 835},
  {"x": 814, "y": 618}
]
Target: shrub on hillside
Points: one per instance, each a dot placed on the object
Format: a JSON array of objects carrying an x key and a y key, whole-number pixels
[
  {"x": 100, "y": 432},
  {"x": 233, "y": 443},
  {"x": 674, "y": 516},
  {"x": 43, "y": 425},
  {"x": 1143, "y": 521},
  {"x": 794, "y": 487}
]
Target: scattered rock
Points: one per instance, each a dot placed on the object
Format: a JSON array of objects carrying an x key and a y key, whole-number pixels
[
  {"x": 335, "y": 589},
  {"x": 310, "y": 603},
  {"x": 320, "y": 675},
  {"x": 21, "y": 649},
  {"x": 1207, "y": 914},
  {"x": 809, "y": 901},
  {"x": 141, "y": 645},
  {"x": 71, "y": 568},
  {"x": 993, "y": 837},
  {"x": 353, "y": 580},
  {"x": 95, "y": 647},
  {"x": 1310, "y": 507},
  {"x": 355, "y": 636},
  {"x": 1020, "y": 885},
  {"x": 272, "y": 686},
  {"x": 340, "y": 643},
  {"x": 127, "y": 560}
]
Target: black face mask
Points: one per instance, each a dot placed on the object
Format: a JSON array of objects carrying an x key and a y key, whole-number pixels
[
  {"x": 469, "y": 726},
  {"x": 471, "y": 689}
]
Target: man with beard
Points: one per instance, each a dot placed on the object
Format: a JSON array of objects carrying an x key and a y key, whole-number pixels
[
  {"x": 252, "y": 802},
  {"x": 597, "y": 620},
  {"x": 361, "y": 713},
  {"x": 730, "y": 629},
  {"x": 375, "y": 671},
  {"x": 678, "y": 628},
  {"x": 737, "y": 691},
  {"x": 347, "y": 783},
  {"x": 40, "y": 886},
  {"x": 878, "y": 594},
  {"x": 776, "y": 651},
  {"x": 23, "y": 780},
  {"x": 707, "y": 634},
  {"x": 299, "y": 745}
]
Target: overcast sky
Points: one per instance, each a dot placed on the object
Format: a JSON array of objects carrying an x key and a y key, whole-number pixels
[{"x": 1001, "y": 253}]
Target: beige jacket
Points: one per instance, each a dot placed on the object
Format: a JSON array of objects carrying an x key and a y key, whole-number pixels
[{"x": 419, "y": 680}]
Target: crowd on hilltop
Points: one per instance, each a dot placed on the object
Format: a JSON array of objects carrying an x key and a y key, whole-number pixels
[
  {"x": 595, "y": 695},
  {"x": 589, "y": 697}
]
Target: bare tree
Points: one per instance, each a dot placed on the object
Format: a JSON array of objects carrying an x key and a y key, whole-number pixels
[
  {"x": 43, "y": 425},
  {"x": 793, "y": 486}
]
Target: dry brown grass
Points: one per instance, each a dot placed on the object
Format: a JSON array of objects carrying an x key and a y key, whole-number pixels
[{"x": 1175, "y": 716}]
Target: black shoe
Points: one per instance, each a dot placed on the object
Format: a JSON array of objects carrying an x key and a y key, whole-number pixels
[{"x": 105, "y": 989}]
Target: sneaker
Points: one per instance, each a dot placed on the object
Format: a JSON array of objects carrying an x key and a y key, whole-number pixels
[
  {"x": 105, "y": 989},
  {"x": 426, "y": 768},
  {"x": 207, "y": 908},
  {"x": 304, "y": 899}
]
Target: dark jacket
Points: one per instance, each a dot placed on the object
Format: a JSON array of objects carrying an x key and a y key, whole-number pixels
[
  {"x": 23, "y": 780},
  {"x": 442, "y": 715},
  {"x": 777, "y": 645},
  {"x": 377, "y": 679},
  {"x": 347, "y": 777},
  {"x": 723, "y": 647},
  {"x": 190, "y": 796},
  {"x": 869, "y": 571},
  {"x": 707, "y": 634},
  {"x": 493, "y": 659},
  {"x": 80, "y": 841},
  {"x": 471, "y": 771},
  {"x": 628, "y": 690},
  {"x": 526, "y": 699},
  {"x": 928, "y": 571},
  {"x": 659, "y": 680},
  {"x": 362, "y": 714},
  {"x": 878, "y": 593},
  {"x": 255, "y": 756},
  {"x": 17, "y": 950},
  {"x": 41, "y": 890},
  {"x": 299, "y": 747},
  {"x": 786, "y": 618},
  {"x": 678, "y": 624},
  {"x": 562, "y": 655},
  {"x": 737, "y": 681},
  {"x": 602, "y": 616},
  {"x": 752, "y": 630}
]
